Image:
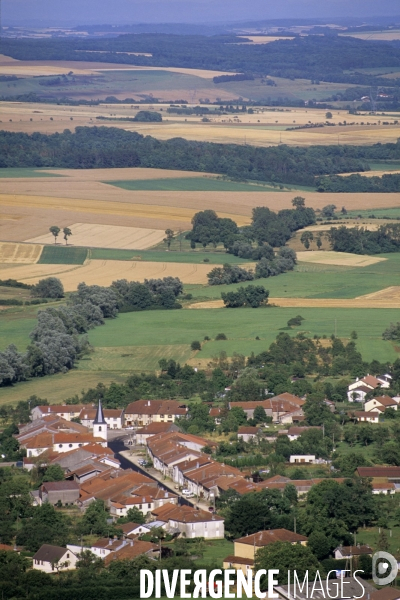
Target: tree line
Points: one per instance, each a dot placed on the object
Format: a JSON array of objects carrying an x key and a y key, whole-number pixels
[
  {"x": 315, "y": 57},
  {"x": 107, "y": 147},
  {"x": 57, "y": 341},
  {"x": 357, "y": 183},
  {"x": 359, "y": 240}
]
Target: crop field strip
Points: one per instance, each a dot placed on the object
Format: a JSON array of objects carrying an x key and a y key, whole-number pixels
[
  {"x": 104, "y": 272},
  {"x": 62, "y": 255},
  {"x": 109, "y": 236},
  {"x": 20, "y": 253}
]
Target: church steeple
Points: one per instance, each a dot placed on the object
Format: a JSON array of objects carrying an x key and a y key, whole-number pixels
[
  {"x": 100, "y": 424},
  {"x": 99, "y": 419}
]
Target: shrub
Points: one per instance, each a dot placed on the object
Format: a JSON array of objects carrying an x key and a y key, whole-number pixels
[
  {"x": 195, "y": 345},
  {"x": 221, "y": 336}
]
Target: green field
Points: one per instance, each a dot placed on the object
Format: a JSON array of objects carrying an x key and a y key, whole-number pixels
[
  {"x": 320, "y": 281},
  {"x": 385, "y": 166},
  {"x": 162, "y": 255},
  {"x": 136, "y": 332},
  {"x": 15, "y": 327},
  {"x": 191, "y": 184},
  {"x": 16, "y": 172},
  {"x": 62, "y": 255},
  {"x": 57, "y": 388},
  {"x": 380, "y": 213}
]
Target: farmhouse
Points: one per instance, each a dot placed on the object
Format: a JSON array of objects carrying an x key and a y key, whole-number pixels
[
  {"x": 352, "y": 551},
  {"x": 245, "y": 548},
  {"x": 285, "y": 408},
  {"x": 54, "y": 492},
  {"x": 248, "y": 434},
  {"x": 191, "y": 522},
  {"x": 52, "y": 559},
  {"x": 143, "y": 412}
]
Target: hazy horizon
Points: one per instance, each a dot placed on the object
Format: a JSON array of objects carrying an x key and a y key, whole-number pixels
[{"x": 85, "y": 12}]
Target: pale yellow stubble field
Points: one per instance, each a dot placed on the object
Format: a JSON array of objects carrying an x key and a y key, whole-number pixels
[
  {"x": 266, "y": 127},
  {"x": 104, "y": 272}
]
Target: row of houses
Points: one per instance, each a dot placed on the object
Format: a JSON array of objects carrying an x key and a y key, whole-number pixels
[{"x": 139, "y": 413}]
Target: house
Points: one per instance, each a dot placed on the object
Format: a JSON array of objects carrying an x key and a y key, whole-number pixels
[
  {"x": 352, "y": 551},
  {"x": 52, "y": 559},
  {"x": 215, "y": 413},
  {"x": 380, "y": 474},
  {"x": 302, "y": 459},
  {"x": 202, "y": 480},
  {"x": 295, "y": 432},
  {"x": 366, "y": 417},
  {"x": 380, "y": 402},
  {"x": 383, "y": 487},
  {"x": 104, "y": 546},
  {"x": 111, "y": 485},
  {"x": 141, "y": 435},
  {"x": 145, "y": 498},
  {"x": 133, "y": 529},
  {"x": 67, "y": 412},
  {"x": 168, "y": 449},
  {"x": 282, "y": 408},
  {"x": 114, "y": 417},
  {"x": 357, "y": 390},
  {"x": 65, "y": 492},
  {"x": 191, "y": 522},
  {"x": 132, "y": 549},
  {"x": 248, "y": 434},
  {"x": 245, "y": 548},
  {"x": 143, "y": 412}
]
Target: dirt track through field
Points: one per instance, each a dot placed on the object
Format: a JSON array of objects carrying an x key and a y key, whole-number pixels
[{"x": 104, "y": 272}]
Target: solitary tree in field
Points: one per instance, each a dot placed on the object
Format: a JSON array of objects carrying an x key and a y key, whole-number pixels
[
  {"x": 67, "y": 232},
  {"x": 55, "y": 231},
  {"x": 169, "y": 237},
  {"x": 306, "y": 238},
  {"x": 318, "y": 241},
  {"x": 299, "y": 202}
]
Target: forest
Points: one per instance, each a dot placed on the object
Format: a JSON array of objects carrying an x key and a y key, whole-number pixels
[
  {"x": 107, "y": 147},
  {"x": 324, "y": 57}
]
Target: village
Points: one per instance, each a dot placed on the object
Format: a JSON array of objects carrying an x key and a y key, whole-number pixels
[{"x": 139, "y": 461}]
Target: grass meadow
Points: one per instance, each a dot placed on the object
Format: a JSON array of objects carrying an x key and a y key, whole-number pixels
[
  {"x": 191, "y": 184},
  {"x": 62, "y": 255},
  {"x": 17, "y": 172},
  {"x": 162, "y": 255}
]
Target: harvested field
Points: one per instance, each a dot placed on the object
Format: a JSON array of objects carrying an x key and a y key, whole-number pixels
[
  {"x": 370, "y": 173},
  {"x": 19, "y": 253},
  {"x": 386, "y": 36},
  {"x": 108, "y": 236},
  {"x": 389, "y": 298},
  {"x": 263, "y": 39},
  {"x": 343, "y": 259},
  {"x": 104, "y": 272}
]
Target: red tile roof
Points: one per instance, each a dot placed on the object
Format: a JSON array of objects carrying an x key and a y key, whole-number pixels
[{"x": 269, "y": 536}]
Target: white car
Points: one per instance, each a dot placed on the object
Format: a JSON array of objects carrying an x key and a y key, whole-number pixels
[{"x": 187, "y": 493}]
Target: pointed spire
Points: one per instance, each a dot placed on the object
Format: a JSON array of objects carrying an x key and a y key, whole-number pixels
[{"x": 99, "y": 420}]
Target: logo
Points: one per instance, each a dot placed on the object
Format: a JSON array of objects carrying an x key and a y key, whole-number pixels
[{"x": 381, "y": 561}]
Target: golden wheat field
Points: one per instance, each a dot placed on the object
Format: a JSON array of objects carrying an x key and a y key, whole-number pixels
[
  {"x": 342, "y": 259},
  {"x": 104, "y": 272},
  {"x": 92, "y": 235},
  {"x": 265, "y": 127},
  {"x": 19, "y": 253},
  {"x": 386, "y": 36}
]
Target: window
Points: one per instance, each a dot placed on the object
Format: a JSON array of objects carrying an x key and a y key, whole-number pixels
[
  {"x": 68, "y": 555},
  {"x": 60, "y": 445},
  {"x": 70, "y": 445},
  {"x": 100, "y": 428},
  {"x": 140, "y": 507},
  {"x": 149, "y": 506}
]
